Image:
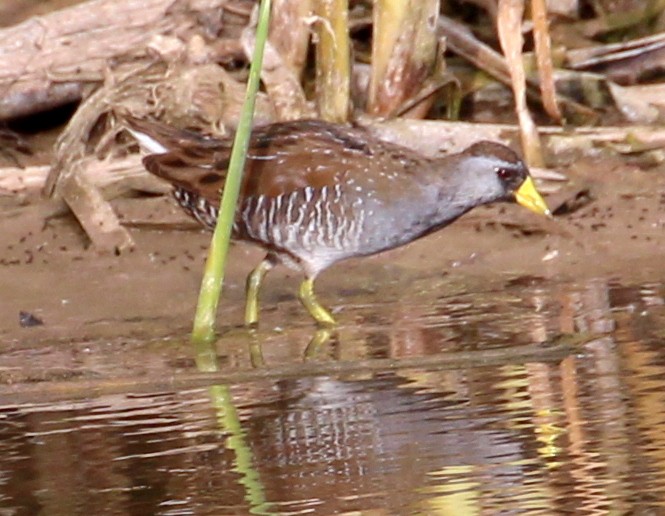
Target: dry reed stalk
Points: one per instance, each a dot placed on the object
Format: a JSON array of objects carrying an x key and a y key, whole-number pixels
[
  {"x": 404, "y": 50},
  {"x": 509, "y": 21},
  {"x": 543, "y": 43},
  {"x": 333, "y": 66}
]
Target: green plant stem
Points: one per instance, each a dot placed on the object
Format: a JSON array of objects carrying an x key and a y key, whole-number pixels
[
  {"x": 213, "y": 275},
  {"x": 229, "y": 423}
]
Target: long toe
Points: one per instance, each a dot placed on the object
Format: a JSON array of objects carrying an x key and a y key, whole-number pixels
[{"x": 322, "y": 316}]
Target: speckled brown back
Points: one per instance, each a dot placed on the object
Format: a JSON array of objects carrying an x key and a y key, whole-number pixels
[{"x": 282, "y": 158}]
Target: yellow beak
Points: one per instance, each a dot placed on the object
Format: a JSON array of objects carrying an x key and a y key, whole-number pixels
[{"x": 528, "y": 196}]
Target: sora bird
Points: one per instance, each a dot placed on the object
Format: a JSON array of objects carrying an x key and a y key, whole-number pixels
[{"x": 315, "y": 193}]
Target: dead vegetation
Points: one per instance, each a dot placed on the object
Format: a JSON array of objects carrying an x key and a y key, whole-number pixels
[{"x": 595, "y": 70}]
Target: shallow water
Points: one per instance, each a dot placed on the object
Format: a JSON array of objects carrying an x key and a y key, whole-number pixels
[{"x": 522, "y": 397}]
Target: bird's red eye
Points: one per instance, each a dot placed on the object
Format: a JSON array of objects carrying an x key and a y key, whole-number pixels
[{"x": 504, "y": 173}]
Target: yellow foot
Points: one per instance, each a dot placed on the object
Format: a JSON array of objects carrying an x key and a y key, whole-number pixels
[{"x": 308, "y": 299}]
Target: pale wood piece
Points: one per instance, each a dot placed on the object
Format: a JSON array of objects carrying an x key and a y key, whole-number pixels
[
  {"x": 47, "y": 61},
  {"x": 114, "y": 177},
  {"x": 509, "y": 23}
]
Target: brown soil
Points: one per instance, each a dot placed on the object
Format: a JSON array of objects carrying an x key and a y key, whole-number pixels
[{"x": 46, "y": 269}]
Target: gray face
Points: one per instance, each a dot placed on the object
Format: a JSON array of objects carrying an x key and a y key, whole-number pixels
[{"x": 492, "y": 172}]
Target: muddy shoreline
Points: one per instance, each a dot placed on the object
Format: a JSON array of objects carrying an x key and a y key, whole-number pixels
[{"x": 47, "y": 270}]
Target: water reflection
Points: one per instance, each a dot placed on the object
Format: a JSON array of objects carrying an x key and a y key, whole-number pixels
[{"x": 455, "y": 409}]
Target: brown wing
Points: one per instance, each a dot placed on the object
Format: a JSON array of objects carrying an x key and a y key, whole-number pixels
[
  {"x": 282, "y": 158},
  {"x": 191, "y": 156}
]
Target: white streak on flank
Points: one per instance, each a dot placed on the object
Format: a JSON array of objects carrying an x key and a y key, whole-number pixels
[
  {"x": 289, "y": 228},
  {"x": 330, "y": 224},
  {"x": 301, "y": 211},
  {"x": 338, "y": 193},
  {"x": 275, "y": 230},
  {"x": 290, "y": 201},
  {"x": 361, "y": 225},
  {"x": 272, "y": 210},
  {"x": 278, "y": 205},
  {"x": 318, "y": 222},
  {"x": 318, "y": 207},
  {"x": 244, "y": 217},
  {"x": 350, "y": 227},
  {"x": 147, "y": 143},
  {"x": 338, "y": 235},
  {"x": 213, "y": 213},
  {"x": 251, "y": 217},
  {"x": 263, "y": 217},
  {"x": 309, "y": 234}
]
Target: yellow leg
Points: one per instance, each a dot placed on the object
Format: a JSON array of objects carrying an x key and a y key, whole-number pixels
[
  {"x": 320, "y": 314},
  {"x": 252, "y": 288}
]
